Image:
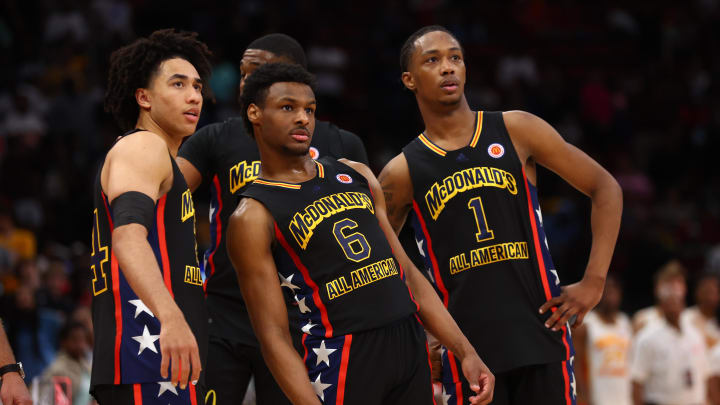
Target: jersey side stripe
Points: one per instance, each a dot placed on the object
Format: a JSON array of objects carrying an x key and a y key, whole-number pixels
[
  {"x": 433, "y": 259},
  {"x": 162, "y": 243},
  {"x": 116, "y": 297},
  {"x": 306, "y": 276}
]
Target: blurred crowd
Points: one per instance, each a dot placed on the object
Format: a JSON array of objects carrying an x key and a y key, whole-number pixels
[{"x": 633, "y": 84}]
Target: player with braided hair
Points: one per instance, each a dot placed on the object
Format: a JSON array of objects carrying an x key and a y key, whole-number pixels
[{"x": 148, "y": 306}]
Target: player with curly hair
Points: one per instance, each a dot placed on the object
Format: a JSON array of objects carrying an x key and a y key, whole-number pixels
[{"x": 148, "y": 307}]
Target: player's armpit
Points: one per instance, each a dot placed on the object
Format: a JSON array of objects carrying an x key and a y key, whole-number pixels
[
  {"x": 398, "y": 191},
  {"x": 139, "y": 162},
  {"x": 249, "y": 242},
  {"x": 193, "y": 177}
]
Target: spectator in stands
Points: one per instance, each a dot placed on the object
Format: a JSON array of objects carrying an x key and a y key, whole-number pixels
[
  {"x": 669, "y": 361},
  {"x": 73, "y": 361},
  {"x": 703, "y": 315}
]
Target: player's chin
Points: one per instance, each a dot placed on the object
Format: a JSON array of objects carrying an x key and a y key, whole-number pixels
[
  {"x": 298, "y": 149},
  {"x": 450, "y": 99}
]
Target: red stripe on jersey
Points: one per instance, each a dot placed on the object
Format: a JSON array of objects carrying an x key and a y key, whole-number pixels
[
  {"x": 456, "y": 378},
  {"x": 568, "y": 401},
  {"x": 433, "y": 260},
  {"x": 343, "y": 370},
  {"x": 193, "y": 395},
  {"x": 162, "y": 242},
  {"x": 536, "y": 240},
  {"x": 304, "y": 347},
  {"x": 432, "y": 386},
  {"x": 137, "y": 394},
  {"x": 306, "y": 276},
  {"x": 218, "y": 226},
  {"x": 115, "y": 275},
  {"x": 541, "y": 261}
]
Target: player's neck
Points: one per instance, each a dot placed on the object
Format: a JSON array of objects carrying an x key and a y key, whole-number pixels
[
  {"x": 672, "y": 319},
  {"x": 145, "y": 122},
  {"x": 286, "y": 168},
  {"x": 448, "y": 123}
]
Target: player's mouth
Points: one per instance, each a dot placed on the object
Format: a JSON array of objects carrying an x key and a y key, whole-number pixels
[
  {"x": 450, "y": 86},
  {"x": 192, "y": 114},
  {"x": 300, "y": 134}
]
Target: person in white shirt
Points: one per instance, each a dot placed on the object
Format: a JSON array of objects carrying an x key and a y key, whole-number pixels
[
  {"x": 703, "y": 315},
  {"x": 651, "y": 314},
  {"x": 669, "y": 361},
  {"x": 602, "y": 344}
]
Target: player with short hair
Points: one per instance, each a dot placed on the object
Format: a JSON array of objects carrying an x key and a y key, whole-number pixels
[
  {"x": 225, "y": 156},
  {"x": 469, "y": 180},
  {"x": 320, "y": 229},
  {"x": 148, "y": 306}
]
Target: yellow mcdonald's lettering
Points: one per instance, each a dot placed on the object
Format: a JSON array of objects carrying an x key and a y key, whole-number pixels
[
  {"x": 188, "y": 208},
  {"x": 306, "y": 220},
  {"x": 243, "y": 173},
  {"x": 214, "y": 397},
  {"x": 468, "y": 179}
]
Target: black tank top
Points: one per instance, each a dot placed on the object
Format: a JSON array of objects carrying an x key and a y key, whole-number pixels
[
  {"x": 127, "y": 346},
  {"x": 332, "y": 253},
  {"x": 479, "y": 230}
]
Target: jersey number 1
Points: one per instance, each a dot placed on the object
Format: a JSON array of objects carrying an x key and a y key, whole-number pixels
[
  {"x": 354, "y": 245},
  {"x": 484, "y": 233}
]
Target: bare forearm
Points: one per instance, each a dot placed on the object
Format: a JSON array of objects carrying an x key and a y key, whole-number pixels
[
  {"x": 436, "y": 318},
  {"x": 6, "y": 354},
  {"x": 140, "y": 268},
  {"x": 287, "y": 368},
  {"x": 605, "y": 223}
]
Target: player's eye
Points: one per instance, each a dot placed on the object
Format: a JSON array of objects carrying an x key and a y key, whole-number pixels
[
  {"x": 310, "y": 111},
  {"x": 456, "y": 57},
  {"x": 431, "y": 59},
  {"x": 179, "y": 85},
  {"x": 198, "y": 87},
  {"x": 287, "y": 107}
]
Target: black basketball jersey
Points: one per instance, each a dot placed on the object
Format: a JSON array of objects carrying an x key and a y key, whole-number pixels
[
  {"x": 127, "y": 346},
  {"x": 228, "y": 159},
  {"x": 479, "y": 230},
  {"x": 331, "y": 252}
]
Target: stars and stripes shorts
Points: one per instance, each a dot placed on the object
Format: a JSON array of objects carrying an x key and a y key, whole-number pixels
[
  {"x": 159, "y": 393},
  {"x": 540, "y": 384},
  {"x": 389, "y": 365}
]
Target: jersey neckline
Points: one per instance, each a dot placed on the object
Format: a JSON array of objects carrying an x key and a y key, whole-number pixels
[
  {"x": 479, "y": 115},
  {"x": 319, "y": 173}
]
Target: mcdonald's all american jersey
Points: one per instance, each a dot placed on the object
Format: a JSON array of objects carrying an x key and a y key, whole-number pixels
[
  {"x": 332, "y": 253},
  {"x": 127, "y": 346},
  {"x": 479, "y": 229}
]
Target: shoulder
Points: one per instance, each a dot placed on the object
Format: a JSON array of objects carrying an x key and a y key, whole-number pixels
[
  {"x": 142, "y": 146},
  {"x": 397, "y": 167},
  {"x": 230, "y": 126},
  {"x": 250, "y": 213},
  {"x": 361, "y": 168}
]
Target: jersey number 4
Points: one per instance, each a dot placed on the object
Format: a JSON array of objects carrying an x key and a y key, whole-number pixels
[
  {"x": 354, "y": 245},
  {"x": 484, "y": 233},
  {"x": 99, "y": 257}
]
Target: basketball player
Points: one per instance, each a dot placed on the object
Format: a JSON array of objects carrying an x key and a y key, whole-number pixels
[
  {"x": 148, "y": 306},
  {"x": 321, "y": 227},
  {"x": 703, "y": 315},
  {"x": 469, "y": 180},
  {"x": 226, "y": 157},
  {"x": 602, "y": 343}
]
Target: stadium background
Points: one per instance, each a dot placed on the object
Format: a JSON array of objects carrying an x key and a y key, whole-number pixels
[{"x": 632, "y": 83}]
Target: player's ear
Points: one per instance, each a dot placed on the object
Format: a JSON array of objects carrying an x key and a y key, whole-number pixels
[
  {"x": 408, "y": 81},
  {"x": 142, "y": 97},
  {"x": 254, "y": 113}
]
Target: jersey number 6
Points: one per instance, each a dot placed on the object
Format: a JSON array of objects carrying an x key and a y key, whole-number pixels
[{"x": 354, "y": 245}]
